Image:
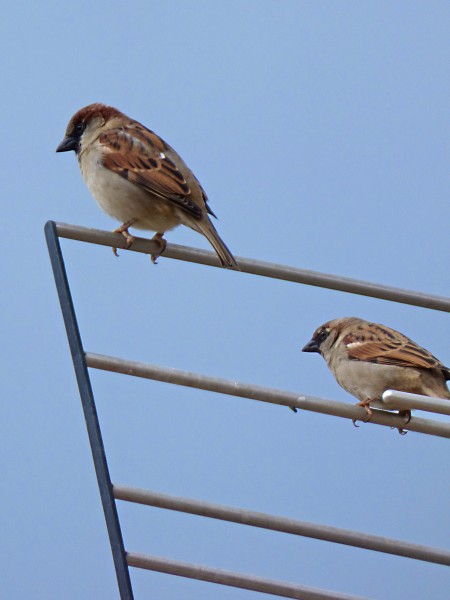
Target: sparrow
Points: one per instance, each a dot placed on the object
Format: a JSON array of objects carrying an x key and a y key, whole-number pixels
[
  {"x": 137, "y": 178},
  {"x": 368, "y": 358}
]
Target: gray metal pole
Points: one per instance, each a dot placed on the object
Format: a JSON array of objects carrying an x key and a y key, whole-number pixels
[
  {"x": 402, "y": 400},
  {"x": 258, "y": 267},
  {"x": 239, "y": 580},
  {"x": 283, "y": 524},
  {"x": 263, "y": 394}
]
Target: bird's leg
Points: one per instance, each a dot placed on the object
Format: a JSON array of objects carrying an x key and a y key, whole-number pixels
[
  {"x": 366, "y": 405},
  {"x": 158, "y": 237},
  {"x": 123, "y": 229}
]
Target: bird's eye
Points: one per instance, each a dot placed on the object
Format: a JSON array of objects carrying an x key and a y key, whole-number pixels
[
  {"x": 323, "y": 334},
  {"x": 79, "y": 128}
]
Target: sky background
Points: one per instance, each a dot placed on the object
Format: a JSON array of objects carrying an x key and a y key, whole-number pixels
[{"x": 320, "y": 131}]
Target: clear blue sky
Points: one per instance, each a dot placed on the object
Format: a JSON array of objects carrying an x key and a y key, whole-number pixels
[{"x": 320, "y": 131}]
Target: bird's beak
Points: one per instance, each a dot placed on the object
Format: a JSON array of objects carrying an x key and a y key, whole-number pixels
[
  {"x": 311, "y": 346},
  {"x": 68, "y": 143}
]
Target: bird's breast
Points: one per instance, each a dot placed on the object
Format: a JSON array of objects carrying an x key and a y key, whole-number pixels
[{"x": 124, "y": 200}]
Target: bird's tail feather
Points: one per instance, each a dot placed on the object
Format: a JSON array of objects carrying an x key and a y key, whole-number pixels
[{"x": 226, "y": 258}]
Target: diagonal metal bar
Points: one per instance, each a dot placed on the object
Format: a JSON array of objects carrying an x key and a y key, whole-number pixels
[
  {"x": 238, "y": 580},
  {"x": 243, "y": 516},
  {"x": 90, "y": 412},
  {"x": 263, "y": 394},
  {"x": 258, "y": 267}
]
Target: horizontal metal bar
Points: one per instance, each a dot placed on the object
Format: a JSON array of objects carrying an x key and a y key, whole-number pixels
[
  {"x": 230, "y": 578},
  {"x": 257, "y": 267},
  {"x": 262, "y": 394},
  {"x": 402, "y": 400},
  {"x": 283, "y": 524}
]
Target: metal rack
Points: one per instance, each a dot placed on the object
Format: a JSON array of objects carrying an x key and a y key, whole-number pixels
[{"x": 110, "y": 493}]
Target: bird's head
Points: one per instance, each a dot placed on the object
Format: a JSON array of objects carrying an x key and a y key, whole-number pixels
[{"x": 85, "y": 124}]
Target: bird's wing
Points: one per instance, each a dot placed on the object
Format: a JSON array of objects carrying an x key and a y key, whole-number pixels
[
  {"x": 140, "y": 156},
  {"x": 389, "y": 347}
]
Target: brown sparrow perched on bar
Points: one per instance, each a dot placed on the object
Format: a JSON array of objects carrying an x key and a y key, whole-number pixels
[
  {"x": 367, "y": 359},
  {"x": 137, "y": 178}
]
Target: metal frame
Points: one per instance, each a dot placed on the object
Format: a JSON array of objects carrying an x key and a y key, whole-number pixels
[{"x": 110, "y": 493}]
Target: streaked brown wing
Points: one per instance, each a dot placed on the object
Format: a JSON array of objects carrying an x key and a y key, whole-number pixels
[
  {"x": 389, "y": 347},
  {"x": 137, "y": 154}
]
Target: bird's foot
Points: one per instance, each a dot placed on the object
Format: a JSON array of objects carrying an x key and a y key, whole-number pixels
[
  {"x": 123, "y": 229},
  {"x": 366, "y": 405},
  {"x": 159, "y": 238}
]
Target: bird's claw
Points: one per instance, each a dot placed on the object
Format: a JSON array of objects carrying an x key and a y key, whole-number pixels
[
  {"x": 123, "y": 229},
  {"x": 407, "y": 415},
  {"x": 366, "y": 406},
  {"x": 158, "y": 237}
]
